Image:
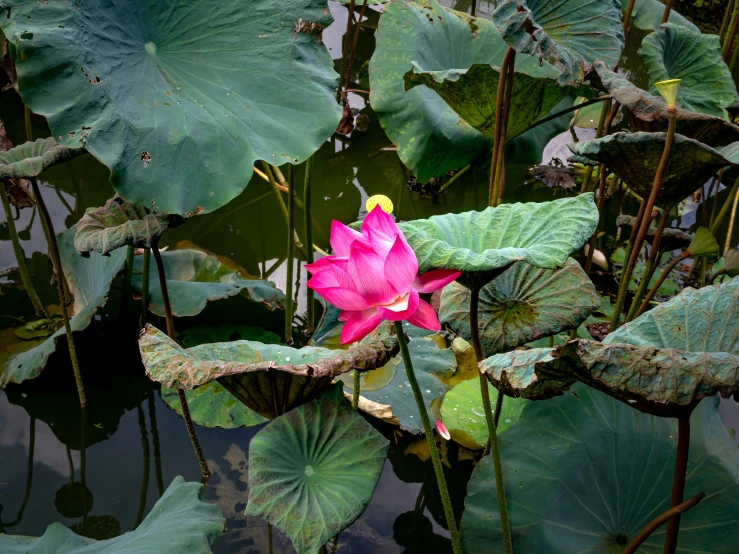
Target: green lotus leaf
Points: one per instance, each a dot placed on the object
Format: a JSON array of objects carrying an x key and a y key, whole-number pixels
[
  {"x": 585, "y": 473},
  {"x": 674, "y": 52},
  {"x": 178, "y": 99},
  {"x": 647, "y": 15},
  {"x": 89, "y": 280},
  {"x": 672, "y": 239},
  {"x": 195, "y": 278},
  {"x": 32, "y": 158},
  {"x": 213, "y": 406},
  {"x": 386, "y": 392},
  {"x": 118, "y": 223},
  {"x": 704, "y": 244},
  {"x": 313, "y": 470},
  {"x": 521, "y": 305},
  {"x": 569, "y": 35},
  {"x": 464, "y": 417},
  {"x": 179, "y": 523},
  {"x": 730, "y": 262},
  {"x": 634, "y": 157},
  {"x": 650, "y": 110},
  {"x": 224, "y": 332},
  {"x": 541, "y": 234},
  {"x": 431, "y": 138},
  {"x": 269, "y": 379}
]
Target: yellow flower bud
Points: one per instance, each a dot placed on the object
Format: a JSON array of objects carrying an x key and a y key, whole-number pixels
[
  {"x": 668, "y": 90},
  {"x": 383, "y": 201}
]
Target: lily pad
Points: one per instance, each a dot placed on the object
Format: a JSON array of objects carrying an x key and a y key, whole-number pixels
[
  {"x": 269, "y": 379},
  {"x": 541, "y": 234},
  {"x": 211, "y": 405},
  {"x": 585, "y": 473},
  {"x": 647, "y": 15},
  {"x": 167, "y": 94},
  {"x": 431, "y": 138},
  {"x": 464, "y": 417},
  {"x": 118, "y": 223},
  {"x": 89, "y": 280},
  {"x": 521, "y": 305},
  {"x": 180, "y": 522},
  {"x": 32, "y": 158},
  {"x": 570, "y": 34},
  {"x": 634, "y": 157},
  {"x": 675, "y": 52},
  {"x": 195, "y": 278},
  {"x": 313, "y": 470}
]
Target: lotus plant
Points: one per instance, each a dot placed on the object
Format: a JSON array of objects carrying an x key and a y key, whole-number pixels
[{"x": 373, "y": 276}]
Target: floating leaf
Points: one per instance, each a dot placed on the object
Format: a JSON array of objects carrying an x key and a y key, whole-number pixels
[
  {"x": 269, "y": 379},
  {"x": 431, "y": 138},
  {"x": 32, "y": 158},
  {"x": 195, "y": 278},
  {"x": 118, "y": 223},
  {"x": 570, "y": 35},
  {"x": 522, "y": 305},
  {"x": 462, "y": 413},
  {"x": 541, "y": 234},
  {"x": 179, "y": 523},
  {"x": 585, "y": 473},
  {"x": 89, "y": 281},
  {"x": 213, "y": 406},
  {"x": 690, "y": 162},
  {"x": 674, "y": 52},
  {"x": 647, "y": 15},
  {"x": 313, "y": 470},
  {"x": 178, "y": 99}
]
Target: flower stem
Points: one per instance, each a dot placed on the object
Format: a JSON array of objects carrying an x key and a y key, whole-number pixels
[
  {"x": 310, "y": 313},
  {"x": 491, "y": 422},
  {"x": 678, "y": 482},
  {"x": 290, "y": 260},
  {"x": 435, "y": 459}
]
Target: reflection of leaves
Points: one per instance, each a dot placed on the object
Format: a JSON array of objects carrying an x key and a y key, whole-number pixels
[
  {"x": 100, "y": 528},
  {"x": 73, "y": 500},
  {"x": 415, "y": 533}
]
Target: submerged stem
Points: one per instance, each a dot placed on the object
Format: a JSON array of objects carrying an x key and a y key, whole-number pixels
[
  {"x": 678, "y": 482},
  {"x": 310, "y": 310},
  {"x": 435, "y": 459}
]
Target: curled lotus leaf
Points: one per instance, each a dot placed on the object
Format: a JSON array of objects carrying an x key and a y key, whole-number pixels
[
  {"x": 270, "y": 379},
  {"x": 180, "y": 522},
  {"x": 313, "y": 470},
  {"x": 672, "y": 239},
  {"x": 521, "y": 305},
  {"x": 32, "y": 158},
  {"x": 585, "y": 473},
  {"x": 651, "y": 110},
  {"x": 211, "y": 405},
  {"x": 675, "y": 52},
  {"x": 542, "y": 234},
  {"x": 118, "y": 223},
  {"x": 570, "y": 34},
  {"x": 178, "y": 98},
  {"x": 634, "y": 157}
]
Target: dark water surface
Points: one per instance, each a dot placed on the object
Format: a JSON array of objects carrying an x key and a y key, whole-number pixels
[{"x": 134, "y": 443}]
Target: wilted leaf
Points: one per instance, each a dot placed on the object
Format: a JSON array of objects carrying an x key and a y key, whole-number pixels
[
  {"x": 672, "y": 239},
  {"x": 30, "y": 159}
]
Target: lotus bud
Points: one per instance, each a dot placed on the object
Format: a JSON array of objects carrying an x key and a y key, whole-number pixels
[
  {"x": 379, "y": 200},
  {"x": 599, "y": 258},
  {"x": 442, "y": 430},
  {"x": 668, "y": 90},
  {"x": 731, "y": 262},
  {"x": 703, "y": 245}
]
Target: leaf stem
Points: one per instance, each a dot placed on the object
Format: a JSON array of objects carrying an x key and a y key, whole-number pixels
[
  {"x": 310, "y": 310},
  {"x": 571, "y": 109},
  {"x": 454, "y": 178},
  {"x": 128, "y": 277},
  {"x": 678, "y": 482},
  {"x": 290, "y": 260},
  {"x": 661, "y": 280},
  {"x": 498, "y": 130},
  {"x": 666, "y": 13},
  {"x": 660, "y": 520},
  {"x": 652, "y": 263},
  {"x": 145, "y": 287},
  {"x": 435, "y": 459},
  {"x": 732, "y": 218},
  {"x": 355, "y": 390},
  {"x": 354, "y": 45}
]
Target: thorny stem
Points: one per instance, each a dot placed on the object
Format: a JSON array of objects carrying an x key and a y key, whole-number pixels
[
  {"x": 290, "y": 262},
  {"x": 661, "y": 280},
  {"x": 345, "y": 46},
  {"x": 48, "y": 226},
  {"x": 20, "y": 256},
  {"x": 204, "y": 470},
  {"x": 354, "y": 45},
  {"x": 145, "y": 287},
  {"x": 500, "y": 170},
  {"x": 666, "y": 13},
  {"x": 678, "y": 482},
  {"x": 355, "y": 390},
  {"x": 491, "y": 422},
  {"x": 435, "y": 459},
  {"x": 494, "y": 183},
  {"x": 660, "y": 520},
  {"x": 652, "y": 263},
  {"x": 627, "y": 17},
  {"x": 310, "y": 312}
]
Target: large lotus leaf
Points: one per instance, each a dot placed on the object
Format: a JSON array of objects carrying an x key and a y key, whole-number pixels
[
  {"x": 89, "y": 280},
  {"x": 211, "y": 405},
  {"x": 32, "y": 158},
  {"x": 585, "y": 473},
  {"x": 647, "y": 15},
  {"x": 269, "y": 379},
  {"x": 523, "y": 304},
  {"x": 674, "y": 52},
  {"x": 178, "y": 98},
  {"x": 431, "y": 138},
  {"x": 464, "y": 417},
  {"x": 386, "y": 392},
  {"x": 570, "y": 34},
  {"x": 179, "y": 523},
  {"x": 118, "y": 223},
  {"x": 651, "y": 110},
  {"x": 634, "y": 157},
  {"x": 312, "y": 471},
  {"x": 194, "y": 278},
  {"x": 541, "y": 234}
]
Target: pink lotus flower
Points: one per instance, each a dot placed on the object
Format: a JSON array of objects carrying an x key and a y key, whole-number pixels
[
  {"x": 442, "y": 430},
  {"x": 373, "y": 275}
]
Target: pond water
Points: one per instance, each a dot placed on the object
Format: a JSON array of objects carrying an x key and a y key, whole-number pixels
[{"x": 134, "y": 444}]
